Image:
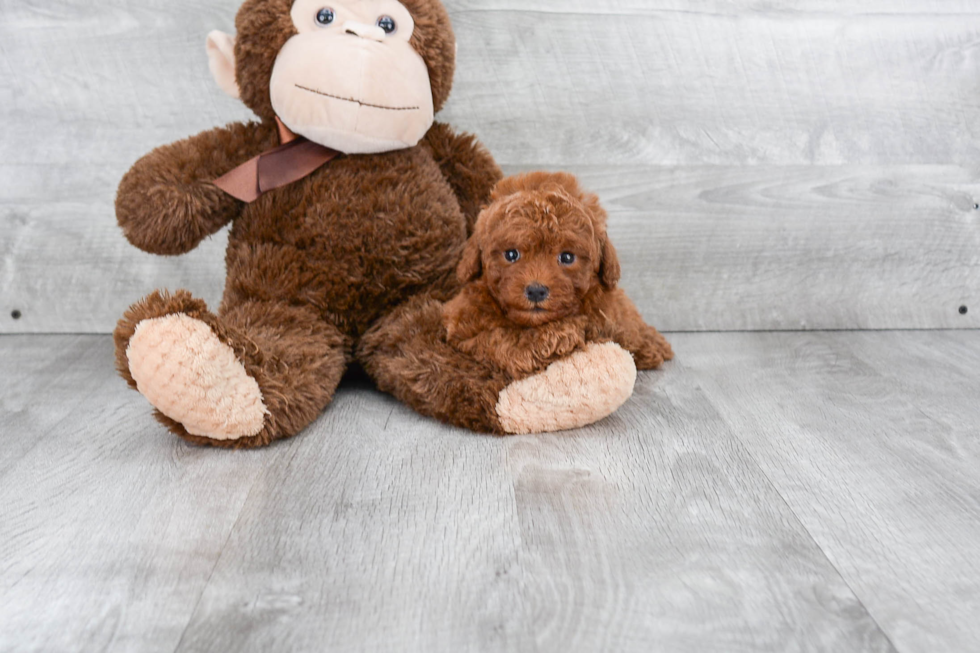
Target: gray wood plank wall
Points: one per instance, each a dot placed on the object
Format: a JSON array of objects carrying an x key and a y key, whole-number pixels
[{"x": 767, "y": 165}]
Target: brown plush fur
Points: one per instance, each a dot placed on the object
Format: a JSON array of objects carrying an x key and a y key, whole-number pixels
[
  {"x": 296, "y": 358},
  {"x": 408, "y": 356},
  {"x": 312, "y": 266},
  {"x": 541, "y": 217}
]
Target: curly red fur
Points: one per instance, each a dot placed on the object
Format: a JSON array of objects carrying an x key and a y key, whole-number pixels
[{"x": 496, "y": 317}]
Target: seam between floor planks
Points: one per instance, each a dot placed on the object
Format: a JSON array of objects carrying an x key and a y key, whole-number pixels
[
  {"x": 217, "y": 561},
  {"x": 577, "y": 450},
  {"x": 799, "y": 521},
  {"x": 802, "y": 525},
  {"x": 776, "y": 447}
]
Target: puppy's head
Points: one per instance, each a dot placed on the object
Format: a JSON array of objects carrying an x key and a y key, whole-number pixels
[{"x": 540, "y": 248}]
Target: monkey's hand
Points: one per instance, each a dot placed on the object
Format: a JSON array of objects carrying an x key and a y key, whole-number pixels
[
  {"x": 467, "y": 165},
  {"x": 167, "y": 203}
]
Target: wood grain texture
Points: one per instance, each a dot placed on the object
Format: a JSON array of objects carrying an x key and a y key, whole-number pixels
[
  {"x": 871, "y": 438},
  {"x": 381, "y": 532},
  {"x": 791, "y": 8},
  {"x": 443, "y": 541},
  {"x": 802, "y": 247},
  {"x": 743, "y": 85},
  {"x": 703, "y": 249},
  {"x": 109, "y": 530},
  {"x": 655, "y": 531},
  {"x": 86, "y": 90},
  {"x": 378, "y": 530},
  {"x": 874, "y": 94}
]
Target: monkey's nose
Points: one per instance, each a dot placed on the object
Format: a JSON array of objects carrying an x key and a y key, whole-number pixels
[
  {"x": 365, "y": 31},
  {"x": 536, "y": 292}
]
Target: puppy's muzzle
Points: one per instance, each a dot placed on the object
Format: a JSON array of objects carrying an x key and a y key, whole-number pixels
[{"x": 536, "y": 293}]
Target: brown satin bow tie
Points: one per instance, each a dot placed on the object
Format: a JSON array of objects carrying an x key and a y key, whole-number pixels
[{"x": 293, "y": 160}]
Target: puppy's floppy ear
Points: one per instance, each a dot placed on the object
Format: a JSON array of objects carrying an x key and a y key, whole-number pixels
[
  {"x": 470, "y": 266},
  {"x": 609, "y": 270}
]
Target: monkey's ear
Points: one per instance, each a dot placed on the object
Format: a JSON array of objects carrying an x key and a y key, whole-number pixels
[
  {"x": 221, "y": 61},
  {"x": 470, "y": 266},
  {"x": 609, "y": 270}
]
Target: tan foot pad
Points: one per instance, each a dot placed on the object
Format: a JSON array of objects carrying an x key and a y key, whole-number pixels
[
  {"x": 573, "y": 392},
  {"x": 192, "y": 377}
]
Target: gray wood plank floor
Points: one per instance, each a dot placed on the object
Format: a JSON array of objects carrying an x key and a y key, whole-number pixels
[{"x": 764, "y": 492}]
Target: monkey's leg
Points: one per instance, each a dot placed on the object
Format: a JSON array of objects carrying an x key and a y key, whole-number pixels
[
  {"x": 407, "y": 354},
  {"x": 258, "y": 372}
]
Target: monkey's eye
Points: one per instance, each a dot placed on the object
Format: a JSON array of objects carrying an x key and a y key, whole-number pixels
[
  {"x": 387, "y": 23},
  {"x": 512, "y": 255},
  {"x": 566, "y": 258},
  {"x": 325, "y": 16}
]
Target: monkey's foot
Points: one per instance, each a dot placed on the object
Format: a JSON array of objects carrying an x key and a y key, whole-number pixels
[
  {"x": 193, "y": 378},
  {"x": 573, "y": 392}
]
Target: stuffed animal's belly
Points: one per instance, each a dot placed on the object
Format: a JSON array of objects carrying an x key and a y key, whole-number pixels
[{"x": 351, "y": 252}]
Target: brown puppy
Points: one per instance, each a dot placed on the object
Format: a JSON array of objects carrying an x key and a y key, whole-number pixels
[{"x": 541, "y": 280}]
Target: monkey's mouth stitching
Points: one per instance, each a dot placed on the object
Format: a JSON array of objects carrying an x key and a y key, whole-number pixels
[{"x": 363, "y": 104}]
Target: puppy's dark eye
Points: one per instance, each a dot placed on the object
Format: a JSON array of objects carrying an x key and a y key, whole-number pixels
[
  {"x": 512, "y": 255},
  {"x": 387, "y": 23},
  {"x": 325, "y": 16},
  {"x": 566, "y": 258}
]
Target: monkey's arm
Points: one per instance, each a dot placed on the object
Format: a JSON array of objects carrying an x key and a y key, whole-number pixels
[
  {"x": 614, "y": 316},
  {"x": 467, "y": 165},
  {"x": 167, "y": 203}
]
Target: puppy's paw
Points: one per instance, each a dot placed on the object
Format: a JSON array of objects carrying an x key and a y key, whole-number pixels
[
  {"x": 652, "y": 351},
  {"x": 573, "y": 392},
  {"x": 648, "y": 359},
  {"x": 565, "y": 338}
]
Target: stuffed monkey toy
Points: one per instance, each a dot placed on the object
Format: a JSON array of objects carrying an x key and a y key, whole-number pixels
[{"x": 349, "y": 209}]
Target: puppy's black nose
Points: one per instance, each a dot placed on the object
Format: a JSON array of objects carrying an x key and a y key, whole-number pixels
[{"x": 536, "y": 292}]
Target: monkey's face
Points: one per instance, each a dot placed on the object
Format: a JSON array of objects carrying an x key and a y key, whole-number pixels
[
  {"x": 350, "y": 80},
  {"x": 358, "y": 76}
]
